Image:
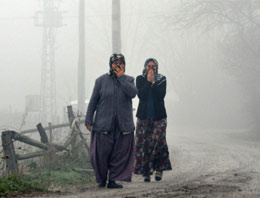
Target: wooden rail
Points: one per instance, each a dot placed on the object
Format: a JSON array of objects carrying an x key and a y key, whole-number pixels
[
  {"x": 8, "y": 137},
  {"x": 49, "y": 128}
]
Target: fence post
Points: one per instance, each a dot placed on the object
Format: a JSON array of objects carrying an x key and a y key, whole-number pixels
[
  {"x": 9, "y": 152},
  {"x": 73, "y": 141},
  {"x": 70, "y": 114},
  {"x": 50, "y": 129},
  {"x": 44, "y": 137}
]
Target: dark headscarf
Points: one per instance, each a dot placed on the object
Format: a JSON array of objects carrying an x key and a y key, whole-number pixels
[{"x": 114, "y": 57}]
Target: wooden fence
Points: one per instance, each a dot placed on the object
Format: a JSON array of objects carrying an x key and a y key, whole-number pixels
[{"x": 8, "y": 138}]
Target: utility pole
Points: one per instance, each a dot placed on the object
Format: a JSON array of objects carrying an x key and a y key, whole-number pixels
[
  {"x": 50, "y": 18},
  {"x": 81, "y": 59},
  {"x": 116, "y": 26}
]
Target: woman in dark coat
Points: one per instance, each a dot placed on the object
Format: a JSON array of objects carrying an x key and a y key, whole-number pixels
[
  {"x": 112, "y": 127},
  {"x": 151, "y": 147}
]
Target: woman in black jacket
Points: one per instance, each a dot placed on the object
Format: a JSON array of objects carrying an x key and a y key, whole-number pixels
[{"x": 151, "y": 146}]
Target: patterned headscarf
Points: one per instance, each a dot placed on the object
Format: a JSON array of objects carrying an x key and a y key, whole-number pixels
[
  {"x": 114, "y": 57},
  {"x": 157, "y": 76}
]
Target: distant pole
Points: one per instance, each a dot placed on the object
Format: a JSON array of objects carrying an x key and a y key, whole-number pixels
[
  {"x": 116, "y": 26},
  {"x": 81, "y": 60}
]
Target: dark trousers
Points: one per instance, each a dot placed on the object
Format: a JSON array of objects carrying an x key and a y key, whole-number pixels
[{"x": 112, "y": 155}]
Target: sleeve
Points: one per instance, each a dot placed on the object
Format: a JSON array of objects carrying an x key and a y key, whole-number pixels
[
  {"x": 142, "y": 87},
  {"x": 93, "y": 103},
  {"x": 159, "y": 88},
  {"x": 128, "y": 86}
]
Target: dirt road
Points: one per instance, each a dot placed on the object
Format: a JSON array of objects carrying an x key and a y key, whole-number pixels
[{"x": 206, "y": 163}]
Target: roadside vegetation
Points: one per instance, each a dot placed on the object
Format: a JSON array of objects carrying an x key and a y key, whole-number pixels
[{"x": 65, "y": 174}]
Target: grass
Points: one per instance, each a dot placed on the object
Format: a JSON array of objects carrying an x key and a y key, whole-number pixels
[
  {"x": 13, "y": 185},
  {"x": 60, "y": 177},
  {"x": 45, "y": 181},
  {"x": 51, "y": 173}
]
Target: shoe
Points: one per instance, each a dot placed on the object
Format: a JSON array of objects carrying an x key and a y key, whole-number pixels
[
  {"x": 147, "y": 178},
  {"x": 158, "y": 175},
  {"x": 102, "y": 184},
  {"x": 113, "y": 184}
]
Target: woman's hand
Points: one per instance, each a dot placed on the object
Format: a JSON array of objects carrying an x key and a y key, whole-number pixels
[
  {"x": 88, "y": 127},
  {"x": 150, "y": 76},
  {"x": 119, "y": 71}
]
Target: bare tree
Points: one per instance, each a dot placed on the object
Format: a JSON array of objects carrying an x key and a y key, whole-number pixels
[{"x": 239, "y": 21}]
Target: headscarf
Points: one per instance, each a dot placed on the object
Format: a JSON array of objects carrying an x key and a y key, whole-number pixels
[
  {"x": 114, "y": 57},
  {"x": 156, "y": 74}
]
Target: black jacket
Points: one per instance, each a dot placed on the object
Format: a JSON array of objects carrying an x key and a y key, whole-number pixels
[{"x": 158, "y": 93}]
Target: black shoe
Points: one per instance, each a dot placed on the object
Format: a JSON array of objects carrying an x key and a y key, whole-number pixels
[
  {"x": 102, "y": 184},
  {"x": 147, "y": 178},
  {"x": 113, "y": 184},
  {"x": 158, "y": 175}
]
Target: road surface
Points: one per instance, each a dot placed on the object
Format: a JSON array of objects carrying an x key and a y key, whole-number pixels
[{"x": 206, "y": 163}]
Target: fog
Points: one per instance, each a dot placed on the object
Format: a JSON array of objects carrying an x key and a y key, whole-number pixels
[{"x": 206, "y": 85}]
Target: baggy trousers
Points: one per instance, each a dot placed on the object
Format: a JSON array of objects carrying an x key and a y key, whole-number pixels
[{"x": 112, "y": 155}]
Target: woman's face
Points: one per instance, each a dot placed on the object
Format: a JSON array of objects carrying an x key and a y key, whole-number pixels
[
  {"x": 150, "y": 67},
  {"x": 118, "y": 63}
]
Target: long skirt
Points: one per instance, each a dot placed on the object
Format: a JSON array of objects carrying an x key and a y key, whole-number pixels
[
  {"x": 151, "y": 150},
  {"x": 112, "y": 155}
]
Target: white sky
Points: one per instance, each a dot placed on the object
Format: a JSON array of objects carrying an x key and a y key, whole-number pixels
[
  {"x": 144, "y": 34},
  {"x": 21, "y": 45}
]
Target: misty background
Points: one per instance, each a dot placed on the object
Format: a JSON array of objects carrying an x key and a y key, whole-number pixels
[{"x": 208, "y": 50}]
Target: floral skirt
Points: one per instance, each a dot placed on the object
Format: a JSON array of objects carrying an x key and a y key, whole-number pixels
[{"x": 151, "y": 150}]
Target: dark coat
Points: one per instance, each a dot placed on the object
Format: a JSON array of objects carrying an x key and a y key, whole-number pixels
[
  {"x": 158, "y": 93},
  {"x": 112, "y": 98}
]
